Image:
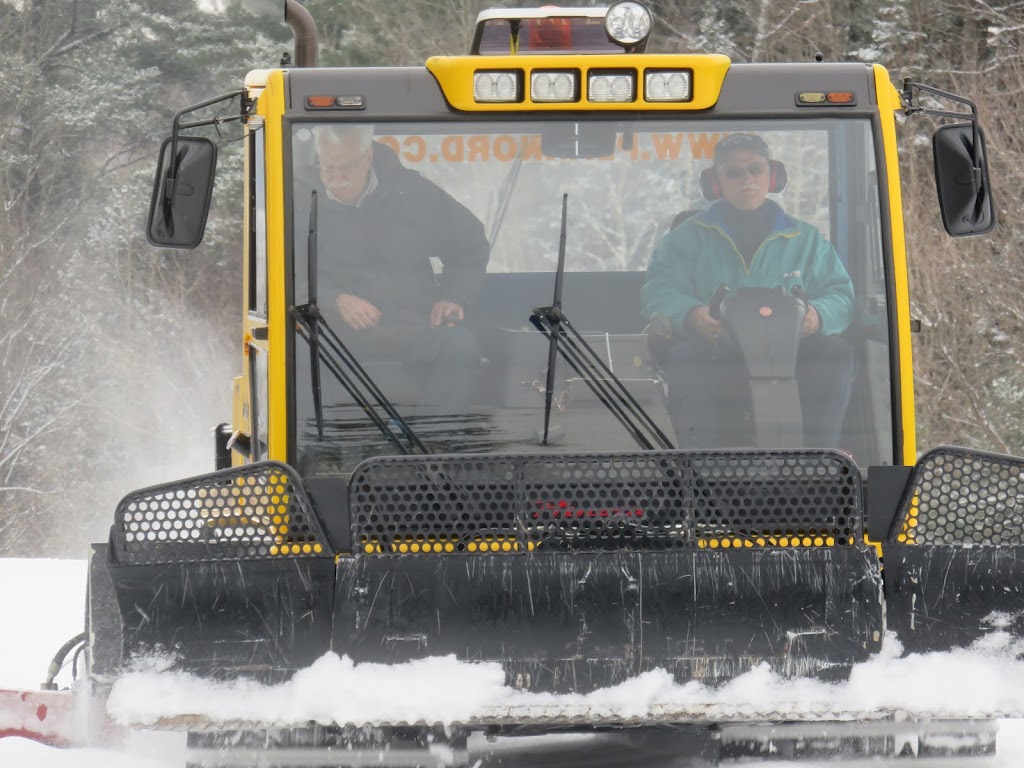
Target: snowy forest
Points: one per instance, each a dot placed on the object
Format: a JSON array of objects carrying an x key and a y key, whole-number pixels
[{"x": 116, "y": 359}]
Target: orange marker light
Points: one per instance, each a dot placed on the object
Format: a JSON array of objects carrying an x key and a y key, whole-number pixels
[
  {"x": 321, "y": 102},
  {"x": 840, "y": 97}
]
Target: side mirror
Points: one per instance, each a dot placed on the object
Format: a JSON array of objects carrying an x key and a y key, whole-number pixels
[
  {"x": 182, "y": 193},
  {"x": 965, "y": 196}
]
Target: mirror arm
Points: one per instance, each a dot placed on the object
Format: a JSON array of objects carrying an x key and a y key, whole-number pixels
[
  {"x": 909, "y": 89},
  {"x": 176, "y": 126}
]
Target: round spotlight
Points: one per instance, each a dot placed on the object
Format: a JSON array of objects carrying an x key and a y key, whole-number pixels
[{"x": 628, "y": 23}]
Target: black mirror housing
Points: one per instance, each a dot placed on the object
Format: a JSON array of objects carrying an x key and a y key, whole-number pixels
[
  {"x": 179, "y": 221},
  {"x": 965, "y": 197}
]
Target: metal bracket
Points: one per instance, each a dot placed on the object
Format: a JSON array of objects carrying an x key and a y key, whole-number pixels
[
  {"x": 247, "y": 107},
  {"x": 910, "y": 88}
]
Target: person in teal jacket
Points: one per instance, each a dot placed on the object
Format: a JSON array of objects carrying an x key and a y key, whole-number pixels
[{"x": 746, "y": 240}]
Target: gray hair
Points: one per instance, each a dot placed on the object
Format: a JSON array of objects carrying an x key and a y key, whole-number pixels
[{"x": 339, "y": 132}]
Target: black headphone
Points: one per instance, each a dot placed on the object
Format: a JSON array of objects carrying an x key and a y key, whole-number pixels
[{"x": 710, "y": 187}]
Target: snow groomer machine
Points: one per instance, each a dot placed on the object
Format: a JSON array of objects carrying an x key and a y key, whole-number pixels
[{"x": 547, "y": 522}]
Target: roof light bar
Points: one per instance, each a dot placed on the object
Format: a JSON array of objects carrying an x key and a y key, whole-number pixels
[
  {"x": 496, "y": 87},
  {"x": 611, "y": 86},
  {"x": 547, "y": 85},
  {"x": 668, "y": 85}
]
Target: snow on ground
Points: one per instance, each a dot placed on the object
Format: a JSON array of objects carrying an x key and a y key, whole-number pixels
[
  {"x": 42, "y": 603},
  {"x": 981, "y": 683},
  {"x": 22, "y": 753}
]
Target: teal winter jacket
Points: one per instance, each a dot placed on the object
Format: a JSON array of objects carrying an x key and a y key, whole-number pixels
[{"x": 696, "y": 257}]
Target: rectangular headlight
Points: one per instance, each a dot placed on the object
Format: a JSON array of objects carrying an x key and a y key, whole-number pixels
[
  {"x": 668, "y": 85},
  {"x": 502, "y": 86},
  {"x": 553, "y": 85},
  {"x": 610, "y": 86}
]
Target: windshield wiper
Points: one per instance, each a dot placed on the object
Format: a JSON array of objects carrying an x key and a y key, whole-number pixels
[
  {"x": 588, "y": 365},
  {"x": 314, "y": 329},
  {"x": 331, "y": 351}
]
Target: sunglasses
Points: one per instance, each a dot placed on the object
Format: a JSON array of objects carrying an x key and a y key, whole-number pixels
[{"x": 739, "y": 171}]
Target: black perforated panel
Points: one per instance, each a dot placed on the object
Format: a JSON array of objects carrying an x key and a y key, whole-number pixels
[
  {"x": 648, "y": 500},
  {"x": 958, "y": 496},
  {"x": 255, "y": 511}
]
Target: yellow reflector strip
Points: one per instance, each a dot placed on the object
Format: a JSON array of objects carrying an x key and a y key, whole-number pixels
[
  {"x": 435, "y": 544},
  {"x": 799, "y": 540}
]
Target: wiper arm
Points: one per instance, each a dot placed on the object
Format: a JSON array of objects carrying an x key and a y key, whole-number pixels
[
  {"x": 341, "y": 363},
  {"x": 607, "y": 387}
]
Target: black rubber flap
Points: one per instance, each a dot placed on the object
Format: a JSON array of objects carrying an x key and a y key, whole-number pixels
[
  {"x": 258, "y": 619},
  {"x": 575, "y": 622},
  {"x": 954, "y": 562}
]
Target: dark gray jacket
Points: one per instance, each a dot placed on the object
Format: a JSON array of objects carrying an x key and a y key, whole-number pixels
[{"x": 381, "y": 250}]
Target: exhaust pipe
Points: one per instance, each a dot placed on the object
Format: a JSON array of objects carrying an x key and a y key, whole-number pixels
[{"x": 304, "y": 32}]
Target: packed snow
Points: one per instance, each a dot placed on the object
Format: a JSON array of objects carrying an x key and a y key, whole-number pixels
[
  {"x": 983, "y": 682},
  {"x": 47, "y": 597}
]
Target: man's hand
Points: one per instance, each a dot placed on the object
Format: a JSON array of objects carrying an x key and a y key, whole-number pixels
[
  {"x": 358, "y": 314},
  {"x": 701, "y": 320},
  {"x": 446, "y": 313},
  {"x": 812, "y": 323}
]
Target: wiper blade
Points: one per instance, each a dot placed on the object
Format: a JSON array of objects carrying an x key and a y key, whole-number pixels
[
  {"x": 505, "y": 196},
  {"x": 314, "y": 330},
  {"x": 556, "y": 315},
  {"x": 342, "y": 364},
  {"x": 563, "y": 338}
]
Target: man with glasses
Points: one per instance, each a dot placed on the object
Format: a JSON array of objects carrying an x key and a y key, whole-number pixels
[
  {"x": 743, "y": 239},
  {"x": 382, "y": 228}
]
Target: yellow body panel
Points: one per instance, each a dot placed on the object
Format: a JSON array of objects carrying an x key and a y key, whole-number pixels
[
  {"x": 455, "y": 76},
  {"x": 241, "y": 420},
  {"x": 888, "y": 103},
  {"x": 241, "y": 386},
  {"x": 271, "y": 107}
]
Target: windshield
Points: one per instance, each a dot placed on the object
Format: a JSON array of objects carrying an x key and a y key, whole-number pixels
[{"x": 735, "y": 286}]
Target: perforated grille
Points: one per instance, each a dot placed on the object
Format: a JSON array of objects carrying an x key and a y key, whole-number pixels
[
  {"x": 256, "y": 511},
  {"x": 959, "y": 496},
  {"x": 649, "y": 500}
]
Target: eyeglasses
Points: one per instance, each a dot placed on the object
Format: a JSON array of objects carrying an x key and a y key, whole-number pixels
[
  {"x": 739, "y": 171},
  {"x": 343, "y": 168}
]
